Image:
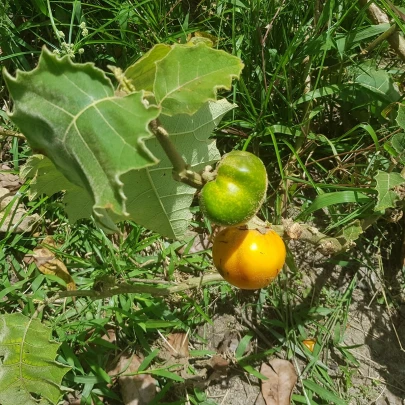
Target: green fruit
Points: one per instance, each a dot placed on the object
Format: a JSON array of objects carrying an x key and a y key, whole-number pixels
[{"x": 238, "y": 190}]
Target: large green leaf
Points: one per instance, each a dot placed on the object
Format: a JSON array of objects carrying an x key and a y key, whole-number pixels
[
  {"x": 27, "y": 363},
  {"x": 377, "y": 81},
  {"x": 155, "y": 199},
  {"x": 69, "y": 112},
  {"x": 189, "y": 76},
  {"x": 387, "y": 198},
  {"x": 48, "y": 180},
  {"x": 398, "y": 143},
  {"x": 142, "y": 73}
]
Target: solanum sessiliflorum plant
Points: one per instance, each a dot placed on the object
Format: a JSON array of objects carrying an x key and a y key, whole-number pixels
[{"x": 131, "y": 152}]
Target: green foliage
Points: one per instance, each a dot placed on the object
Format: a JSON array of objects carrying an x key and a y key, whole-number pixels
[
  {"x": 69, "y": 112},
  {"x": 46, "y": 179},
  {"x": 401, "y": 116},
  {"x": 321, "y": 109},
  {"x": 350, "y": 233},
  {"x": 376, "y": 81},
  {"x": 142, "y": 73},
  {"x": 155, "y": 199},
  {"x": 99, "y": 140},
  {"x": 28, "y": 365},
  {"x": 387, "y": 198},
  {"x": 189, "y": 76}
]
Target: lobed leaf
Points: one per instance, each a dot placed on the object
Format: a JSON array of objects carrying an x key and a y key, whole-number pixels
[
  {"x": 142, "y": 73},
  {"x": 350, "y": 233},
  {"x": 28, "y": 365},
  {"x": 400, "y": 119},
  {"x": 398, "y": 143},
  {"x": 386, "y": 198},
  {"x": 69, "y": 112},
  {"x": 155, "y": 199},
  {"x": 189, "y": 76},
  {"x": 47, "y": 179},
  {"x": 377, "y": 81}
]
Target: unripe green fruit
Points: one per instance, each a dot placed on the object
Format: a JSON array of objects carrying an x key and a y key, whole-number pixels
[{"x": 237, "y": 192}]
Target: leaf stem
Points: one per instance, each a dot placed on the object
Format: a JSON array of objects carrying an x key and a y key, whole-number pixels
[{"x": 181, "y": 170}]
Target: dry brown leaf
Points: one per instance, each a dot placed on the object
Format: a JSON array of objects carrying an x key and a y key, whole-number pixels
[
  {"x": 135, "y": 389},
  {"x": 282, "y": 378},
  {"x": 178, "y": 344},
  {"x": 47, "y": 263},
  {"x": 220, "y": 368},
  {"x": 110, "y": 336},
  {"x": 218, "y": 363},
  {"x": 9, "y": 181},
  {"x": 17, "y": 219}
]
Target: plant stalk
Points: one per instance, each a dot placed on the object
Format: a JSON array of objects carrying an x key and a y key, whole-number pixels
[
  {"x": 181, "y": 170},
  {"x": 191, "y": 283}
]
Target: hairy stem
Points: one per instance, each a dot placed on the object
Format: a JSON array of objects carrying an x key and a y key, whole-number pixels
[
  {"x": 181, "y": 170},
  {"x": 194, "y": 282},
  {"x": 289, "y": 230}
]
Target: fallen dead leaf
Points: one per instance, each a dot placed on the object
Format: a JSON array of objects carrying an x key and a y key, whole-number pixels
[
  {"x": 282, "y": 378},
  {"x": 9, "y": 181},
  {"x": 229, "y": 342},
  {"x": 47, "y": 263},
  {"x": 178, "y": 344},
  {"x": 218, "y": 363},
  {"x": 17, "y": 219},
  {"x": 110, "y": 336},
  {"x": 135, "y": 389},
  {"x": 220, "y": 368}
]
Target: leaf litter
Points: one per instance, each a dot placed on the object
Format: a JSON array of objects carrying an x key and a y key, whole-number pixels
[
  {"x": 277, "y": 389},
  {"x": 14, "y": 216},
  {"x": 138, "y": 389},
  {"x": 47, "y": 262}
]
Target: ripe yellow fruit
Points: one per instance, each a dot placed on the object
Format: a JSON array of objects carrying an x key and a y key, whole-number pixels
[{"x": 247, "y": 258}]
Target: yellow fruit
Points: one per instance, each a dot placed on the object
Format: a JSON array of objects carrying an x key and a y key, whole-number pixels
[{"x": 248, "y": 259}]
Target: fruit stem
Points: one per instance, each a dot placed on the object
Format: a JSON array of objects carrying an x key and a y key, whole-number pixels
[{"x": 181, "y": 170}]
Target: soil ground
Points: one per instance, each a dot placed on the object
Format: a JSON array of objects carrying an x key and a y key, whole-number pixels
[{"x": 375, "y": 331}]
